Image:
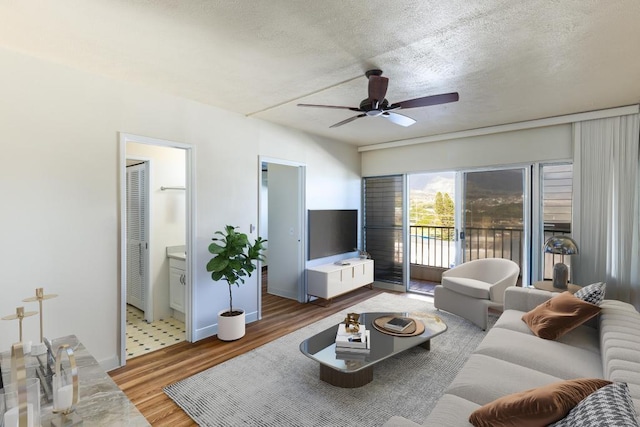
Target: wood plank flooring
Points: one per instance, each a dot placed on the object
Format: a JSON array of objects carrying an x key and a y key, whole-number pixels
[{"x": 143, "y": 378}]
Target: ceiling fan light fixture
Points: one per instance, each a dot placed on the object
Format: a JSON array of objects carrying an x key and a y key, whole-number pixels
[{"x": 376, "y": 105}]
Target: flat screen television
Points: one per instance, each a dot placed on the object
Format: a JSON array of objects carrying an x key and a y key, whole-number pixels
[{"x": 332, "y": 232}]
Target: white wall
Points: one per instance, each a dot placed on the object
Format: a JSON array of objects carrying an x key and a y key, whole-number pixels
[
  {"x": 523, "y": 146},
  {"x": 167, "y": 215},
  {"x": 59, "y": 171},
  {"x": 332, "y": 171},
  {"x": 333, "y": 168}
]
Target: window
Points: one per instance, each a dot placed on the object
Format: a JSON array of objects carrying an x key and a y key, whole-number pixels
[
  {"x": 557, "y": 193},
  {"x": 383, "y": 226}
]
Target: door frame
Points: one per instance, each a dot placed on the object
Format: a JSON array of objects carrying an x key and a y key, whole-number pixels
[
  {"x": 190, "y": 314},
  {"x": 301, "y": 261}
]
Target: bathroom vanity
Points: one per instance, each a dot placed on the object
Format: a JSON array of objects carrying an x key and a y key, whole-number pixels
[{"x": 177, "y": 280}]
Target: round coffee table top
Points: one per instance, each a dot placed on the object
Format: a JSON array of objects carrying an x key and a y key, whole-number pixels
[{"x": 547, "y": 285}]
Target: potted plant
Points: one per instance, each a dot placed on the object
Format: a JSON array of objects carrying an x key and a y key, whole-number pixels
[{"x": 233, "y": 259}]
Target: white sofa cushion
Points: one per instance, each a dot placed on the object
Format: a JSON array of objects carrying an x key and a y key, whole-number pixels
[
  {"x": 465, "y": 286},
  {"x": 551, "y": 357},
  {"x": 485, "y": 379},
  {"x": 583, "y": 336},
  {"x": 512, "y": 320},
  {"x": 451, "y": 411},
  {"x": 397, "y": 421}
]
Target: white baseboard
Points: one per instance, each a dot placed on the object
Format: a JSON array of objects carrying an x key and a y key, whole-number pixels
[{"x": 109, "y": 363}]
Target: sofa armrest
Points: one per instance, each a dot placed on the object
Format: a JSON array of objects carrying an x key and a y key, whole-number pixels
[
  {"x": 397, "y": 421},
  {"x": 524, "y": 299}
]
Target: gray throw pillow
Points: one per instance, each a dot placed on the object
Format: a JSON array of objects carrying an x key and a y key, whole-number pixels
[
  {"x": 609, "y": 406},
  {"x": 593, "y": 293}
]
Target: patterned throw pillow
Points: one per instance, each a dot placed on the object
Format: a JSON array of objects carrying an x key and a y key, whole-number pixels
[
  {"x": 609, "y": 406},
  {"x": 593, "y": 293}
]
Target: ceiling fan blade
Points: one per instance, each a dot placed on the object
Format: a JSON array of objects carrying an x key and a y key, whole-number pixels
[
  {"x": 350, "y": 119},
  {"x": 426, "y": 101},
  {"x": 377, "y": 89},
  {"x": 329, "y": 106},
  {"x": 398, "y": 119}
]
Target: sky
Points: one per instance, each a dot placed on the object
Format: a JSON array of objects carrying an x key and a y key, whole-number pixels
[{"x": 443, "y": 182}]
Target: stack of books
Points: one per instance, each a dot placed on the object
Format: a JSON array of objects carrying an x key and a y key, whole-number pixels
[
  {"x": 352, "y": 343},
  {"x": 398, "y": 324}
]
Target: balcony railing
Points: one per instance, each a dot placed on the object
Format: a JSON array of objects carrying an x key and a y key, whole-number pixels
[{"x": 435, "y": 246}]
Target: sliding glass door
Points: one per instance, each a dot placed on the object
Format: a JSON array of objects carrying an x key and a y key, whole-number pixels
[
  {"x": 494, "y": 215},
  {"x": 456, "y": 217},
  {"x": 453, "y": 217}
]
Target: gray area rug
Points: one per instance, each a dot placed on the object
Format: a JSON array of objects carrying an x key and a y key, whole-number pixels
[{"x": 276, "y": 385}]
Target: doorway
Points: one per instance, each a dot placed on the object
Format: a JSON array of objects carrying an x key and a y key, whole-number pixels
[
  {"x": 167, "y": 217},
  {"x": 432, "y": 232},
  {"x": 282, "y": 223}
]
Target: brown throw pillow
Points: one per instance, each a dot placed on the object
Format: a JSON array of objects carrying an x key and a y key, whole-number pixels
[
  {"x": 536, "y": 407},
  {"x": 558, "y": 315}
]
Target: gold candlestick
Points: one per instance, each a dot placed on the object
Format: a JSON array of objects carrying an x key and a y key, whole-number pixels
[
  {"x": 19, "y": 378},
  {"x": 40, "y": 296},
  {"x": 20, "y": 314}
]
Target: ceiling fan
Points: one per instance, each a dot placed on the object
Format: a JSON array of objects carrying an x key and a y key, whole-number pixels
[{"x": 376, "y": 105}]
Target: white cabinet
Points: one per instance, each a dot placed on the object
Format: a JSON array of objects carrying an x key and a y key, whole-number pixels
[
  {"x": 177, "y": 284},
  {"x": 330, "y": 280}
]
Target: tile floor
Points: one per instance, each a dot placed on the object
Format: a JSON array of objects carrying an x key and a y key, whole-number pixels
[{"x": 143, "y": 337}]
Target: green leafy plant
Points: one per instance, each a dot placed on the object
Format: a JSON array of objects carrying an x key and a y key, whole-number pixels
[{"x": 234, "y": 259}]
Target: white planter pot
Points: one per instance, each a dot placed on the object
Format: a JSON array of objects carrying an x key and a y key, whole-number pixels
[{"x": 230, "y": 328}]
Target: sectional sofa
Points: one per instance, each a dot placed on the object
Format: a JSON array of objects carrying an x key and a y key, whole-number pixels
[{"x": 511, "y": 359}]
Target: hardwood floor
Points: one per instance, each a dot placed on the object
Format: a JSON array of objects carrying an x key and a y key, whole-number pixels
[{"x": 143, "y": 378}]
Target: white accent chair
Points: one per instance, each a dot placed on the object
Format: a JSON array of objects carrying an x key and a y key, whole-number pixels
[{"x": 470, "y": 289}]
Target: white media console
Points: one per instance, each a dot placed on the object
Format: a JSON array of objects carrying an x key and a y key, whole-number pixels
[{"x": 330, "y": 280}]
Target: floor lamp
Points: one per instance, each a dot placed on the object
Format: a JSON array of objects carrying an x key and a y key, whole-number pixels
[{"x": 560, "y": 245}]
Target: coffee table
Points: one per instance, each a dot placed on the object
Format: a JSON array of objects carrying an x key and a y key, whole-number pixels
[{"x": 357, "y": 370}]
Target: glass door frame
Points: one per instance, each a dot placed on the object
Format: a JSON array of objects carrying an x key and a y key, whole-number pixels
[
  {"x": 533, "y": 221},
  {"x": 527, "y": 224}
]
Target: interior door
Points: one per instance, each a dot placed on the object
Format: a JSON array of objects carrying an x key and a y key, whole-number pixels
[
  {"x": 137, "y": 235},
  {"x": 285, "y": 220},
  {"x": 494, "y": 215}
]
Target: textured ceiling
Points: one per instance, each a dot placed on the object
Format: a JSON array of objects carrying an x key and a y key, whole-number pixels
[{"x": 509, "y": 60}]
